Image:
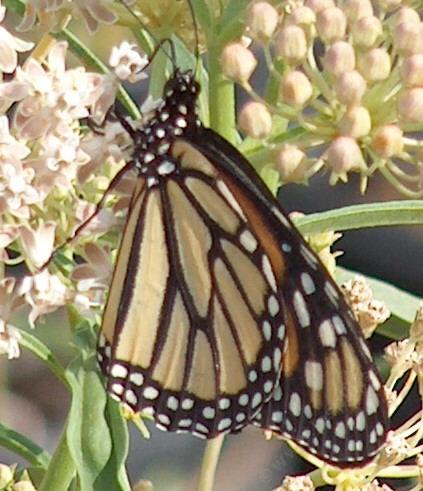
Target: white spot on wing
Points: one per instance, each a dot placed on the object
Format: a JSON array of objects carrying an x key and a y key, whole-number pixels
[
  {"x": 223, "y": 188},
  {"x": 281, "y": 217},
  {"x": 295, "y": 404},
  {"x": 268, "y": 272},
  {"x": 248, "y": 241},
  {"x": 327, "y": 334},
  {"x": 314, "y": 375},
  {"x": 307, "y": 283},
  {"x": 300, "y": 308}
]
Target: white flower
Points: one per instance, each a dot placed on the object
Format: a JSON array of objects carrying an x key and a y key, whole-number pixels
[{"x": 128, "y": 63}]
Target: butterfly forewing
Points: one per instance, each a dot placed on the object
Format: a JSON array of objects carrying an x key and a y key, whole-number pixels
[{"x": 198, "y": 316}]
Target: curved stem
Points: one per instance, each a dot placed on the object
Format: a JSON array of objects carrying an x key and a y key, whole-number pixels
[{"x": 209, "y": 464}]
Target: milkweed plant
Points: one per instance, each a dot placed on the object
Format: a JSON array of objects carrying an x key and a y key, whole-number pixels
[{"x": 341, "y": 94}]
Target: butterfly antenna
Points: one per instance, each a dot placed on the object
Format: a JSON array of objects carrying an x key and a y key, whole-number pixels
[
  {"x": 196, "y": 35},
  {"x": 159, "y": 44}
]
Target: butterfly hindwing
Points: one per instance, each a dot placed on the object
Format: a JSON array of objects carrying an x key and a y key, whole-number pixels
[{"x": 330, "y": 398}]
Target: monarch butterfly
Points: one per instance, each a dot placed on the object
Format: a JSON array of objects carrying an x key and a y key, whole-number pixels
[{"x": 219, "y": 315}]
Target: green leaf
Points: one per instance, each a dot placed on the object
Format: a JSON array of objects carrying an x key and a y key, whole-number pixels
[
  {"x": 88, "y": 435},
  {"x": 403, "y": 305},
  {"x": 114, "y": 476},
  {"x": 41, "y": 351},
  {"x": 24, "y": 447},
  {"x": 387, "y": 213}
]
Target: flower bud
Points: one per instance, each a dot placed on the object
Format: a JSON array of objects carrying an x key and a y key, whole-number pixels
[
  {"x": 408, "y": 37},
  {"x": 356, "y": 9},
  {"x": 342, "y": 156},
  {"x": 255, "y": 120},
  {"x": 296, "y": 88},
  {"x": 387, "y": 140},
  {"x": 406, "y": 14},
  {"x": 331, "y": 24},
  {"x": 238, "y": 62},
  {"x": 356, "y": 122},
  {"x": 303, "y": 17},
  {"x": 143, "y": 485},
  {"x": 412, "y": 70},
  {"x": 23, "y": 486},
  {"x": 291, "y": 163},
  {"x": 291, "y": 44},
  {"x": 410, "y": 105},
  {"x": 6, "y": 476},
  {"x": 262, "y": 20},
  {"x": 366, "y": 32},
  {"x": 339, "y": 58},
  {"x": 350, "y": 88},
  {"x": 319, "y": 5},
  {"x": 375, "y": 65}
]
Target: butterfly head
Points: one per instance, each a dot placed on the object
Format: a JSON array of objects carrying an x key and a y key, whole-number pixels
[{"x": 182, "y": 85}]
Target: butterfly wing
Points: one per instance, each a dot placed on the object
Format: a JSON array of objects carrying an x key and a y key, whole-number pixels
[
  {"x": 330, "y": 398},
  {"x": 193, "y": 328}
]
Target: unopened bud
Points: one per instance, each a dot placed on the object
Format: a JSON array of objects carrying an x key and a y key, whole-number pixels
[
  {"x": 255, "y": 120},
  {"x": 412, "y": 70},
  {"x": 388, "y": 141},
  {"x": 356, "y": 122},
  {"x": 350, "y": 88},
  {"x": 319, "y": 5},
  {"x": 406, "y": 14},
  {"x": 344, "y": 155},
  {"x": 410, "y": 105},
  {"x": 296, "y": 88},
  {"x": 23, "y": 486},
  {"x": 291, "y": 163},
  {"x": 143, "y": 485},
  {"x": 238, "y": 62},
  {"x": 6, "y": 476},
  {"x": 303, "y": 17},
  {"x": 375, "y": 65},
  {"x": 331, "y": 24},
  {"x": 366, "y": 32},
  {"x": 356, "y": 9},
  {"x": 291, "y": 44},
  {"x": 408, "y": 37},
  {"x": 262, "y": 20},
  {"x": 339, "y": 58}
]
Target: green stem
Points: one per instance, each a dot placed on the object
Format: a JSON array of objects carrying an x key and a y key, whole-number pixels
[
  {"x": 221, "y": 98},
  {"x": 209, "y": 464},
  {"x": 61, "y": 470}
]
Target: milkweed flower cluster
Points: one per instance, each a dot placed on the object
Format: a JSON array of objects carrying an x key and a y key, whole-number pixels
[{"x": 346, "y": 77}]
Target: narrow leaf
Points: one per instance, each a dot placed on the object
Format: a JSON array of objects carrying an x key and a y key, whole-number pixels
[
  {"x": 387, "y": 213},
  {"x": 24, "y": 447}
]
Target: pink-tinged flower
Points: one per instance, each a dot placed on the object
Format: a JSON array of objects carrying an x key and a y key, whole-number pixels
[
  {"x": 50, "y": 12},
  {"x": 127, "y": 62},
  {"x": 92, "y": 278},
  {"x": 10, "y": 302},
  {"x": 296, "y": 483},
  {"x": 38, "y": 245},
  {"x": 8, "y": 234},
  {"x": 9, "y": 340},
  {"x": 10, "y": 46},
  {"x": 16, "y": 189},
  {"x": 109, "y": 147},
  {"x": 102, "y": 222},
  {"x": 57, "y": 97},
  {"x": 45, "y": 293},
  {"x": 10, "y": 299}
]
